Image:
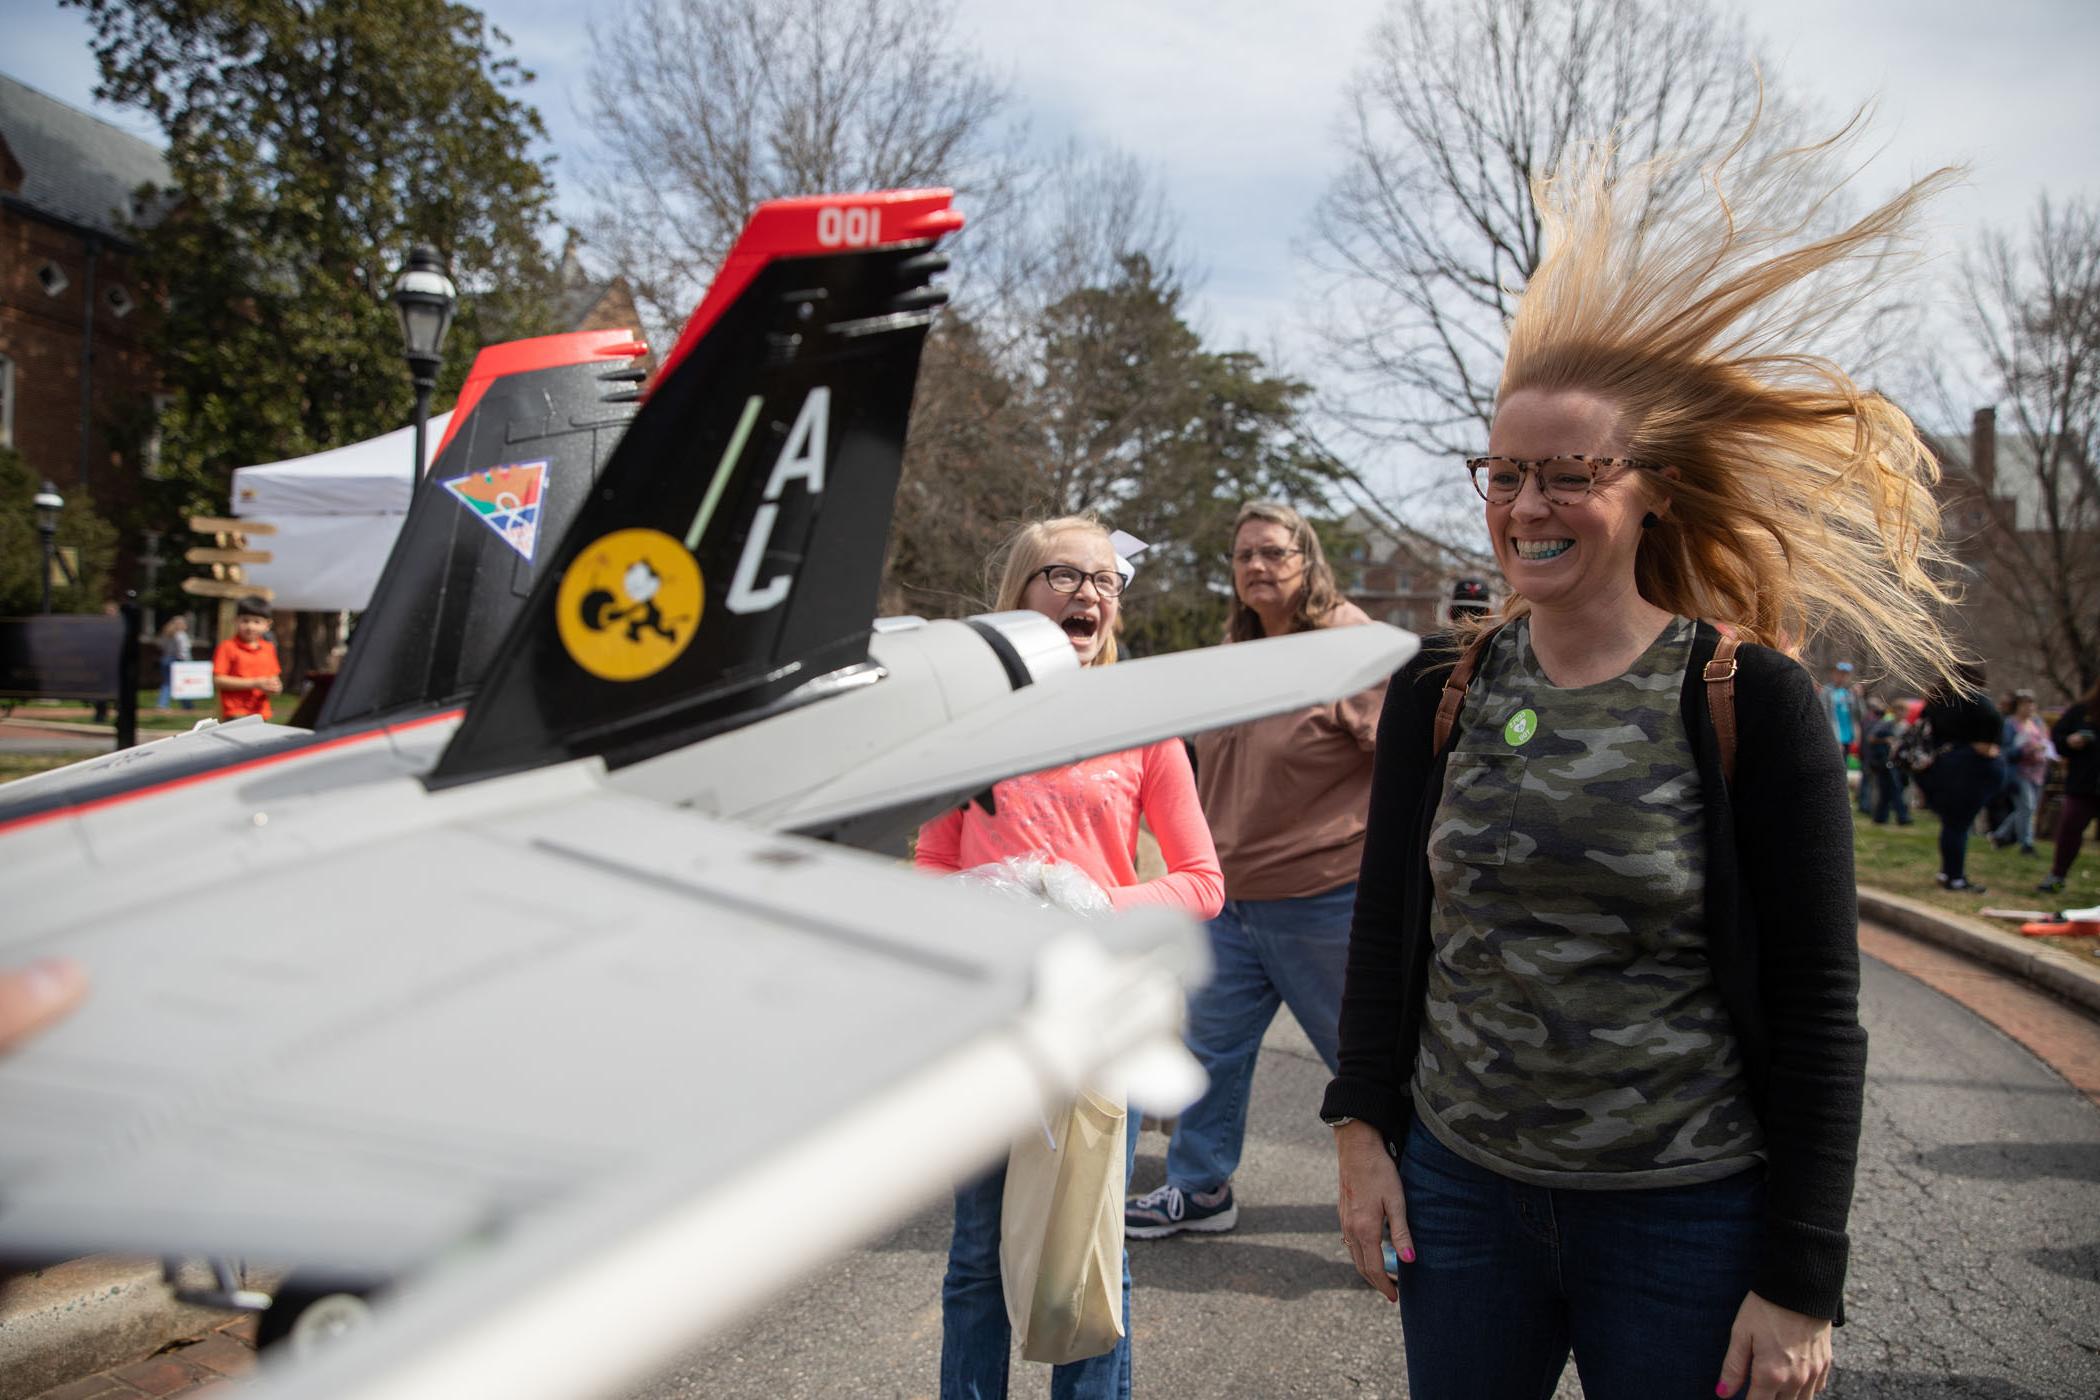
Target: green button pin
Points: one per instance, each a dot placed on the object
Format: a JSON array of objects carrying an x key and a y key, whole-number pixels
[{"x": 1522, "y": 725}]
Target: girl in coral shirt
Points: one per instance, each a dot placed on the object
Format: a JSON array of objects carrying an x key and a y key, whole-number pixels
[{"x": 1085, "y": 815}]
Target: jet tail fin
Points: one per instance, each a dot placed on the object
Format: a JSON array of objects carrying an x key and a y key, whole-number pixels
[
  {"x": 535, "y": 422},
  {"x": 727, "y": 562}
]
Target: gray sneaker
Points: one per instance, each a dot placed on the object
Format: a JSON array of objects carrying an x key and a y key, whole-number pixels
[{"x": 1170, "y": 1210}]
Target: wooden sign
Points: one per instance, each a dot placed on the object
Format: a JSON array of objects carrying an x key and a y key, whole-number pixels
[
  {"x": 227, "y": 556},
  {"x": 226, "y": 525},
  {"x": 224, "y": 588}
]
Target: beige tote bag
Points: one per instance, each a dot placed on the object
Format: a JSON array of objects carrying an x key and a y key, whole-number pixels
[{"x": 1061, "y": 1233}]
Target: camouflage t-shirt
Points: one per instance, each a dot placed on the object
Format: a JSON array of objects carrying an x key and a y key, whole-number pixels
[{"x": 1573, "y": 1035}]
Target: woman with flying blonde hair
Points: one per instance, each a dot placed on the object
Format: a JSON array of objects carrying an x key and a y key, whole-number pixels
[
  {"x": 1085, "y": 816},
  {"x": 1601, "y": 1061}
]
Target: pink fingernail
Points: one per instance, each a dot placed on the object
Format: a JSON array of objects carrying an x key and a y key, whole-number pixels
[
  {"x": 1407, "y": 1254},
  {"x": 1722, "y": 1390}
]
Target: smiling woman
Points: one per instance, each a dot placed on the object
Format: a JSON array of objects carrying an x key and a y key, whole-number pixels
[{"x": 1603, "y": 968}]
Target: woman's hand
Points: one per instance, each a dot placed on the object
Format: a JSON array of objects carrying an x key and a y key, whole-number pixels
[
  {"x": 1371, "y": 1203},
  {"x": 1784, "y": 1355}
]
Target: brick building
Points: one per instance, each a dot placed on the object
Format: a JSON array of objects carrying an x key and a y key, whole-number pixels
[
  {"x": 1404, "y": 577},
  {"x": 590, "y": 303},
  {"x": 76, "y": 387},
  {"x": 1994, "y": 507}
]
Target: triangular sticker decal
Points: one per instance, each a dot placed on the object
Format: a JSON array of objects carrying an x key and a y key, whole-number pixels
[{"x": 507, "y": 500}]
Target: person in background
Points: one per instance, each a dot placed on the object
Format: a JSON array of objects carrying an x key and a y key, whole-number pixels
[
  {"x": 2075, "y": 739},
  {"x": 244, "y": 667},
  {"x": 1869, "y": 711},
  {"x": 1878, "y": 761},
  {"x": 1967, "y": 768},
  {"x": 2027, "y": 754},
  {"x": 1285, "y": 798},
  {"x": 1841, "y": 708},
  {"x": 1085, "y": 815},
  {"x": 174, "y": 647},
  {"x": 1602, "y": 1068},
  {"x": 102, "y": 707}
]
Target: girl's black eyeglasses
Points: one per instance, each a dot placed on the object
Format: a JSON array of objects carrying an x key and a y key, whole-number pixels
[{"x": 1064, "y": 578}]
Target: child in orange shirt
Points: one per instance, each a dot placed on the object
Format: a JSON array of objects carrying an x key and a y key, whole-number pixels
[{"x": 244, "y": 667}]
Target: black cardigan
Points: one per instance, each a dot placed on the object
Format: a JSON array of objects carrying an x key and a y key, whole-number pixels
[{"x": 1782, "y": 929}]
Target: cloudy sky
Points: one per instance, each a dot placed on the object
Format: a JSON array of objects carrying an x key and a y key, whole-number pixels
[{"x": 1232, "y": 103}]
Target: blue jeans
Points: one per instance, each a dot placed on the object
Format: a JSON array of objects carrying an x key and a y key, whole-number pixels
[
  {"x": 1267, "y": 953},
  {"x": 976, "y": 1338},
  {"x": 1643, "y": 1286},
  {"x": 1892, "y": 793},
  {"x": 167, "y": 680},
  {"x": 2019, "y": 824}
]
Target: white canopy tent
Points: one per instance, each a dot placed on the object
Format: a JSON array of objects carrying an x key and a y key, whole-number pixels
[{"x": 336, "y": 514}]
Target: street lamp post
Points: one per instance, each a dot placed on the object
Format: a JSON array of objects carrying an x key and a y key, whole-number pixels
[
  {"x": 48, "y": 504},
  {"x": 424, "y": 296}
]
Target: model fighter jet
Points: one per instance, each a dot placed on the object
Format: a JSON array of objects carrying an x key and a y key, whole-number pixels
[{"x": 520, "y": 983}]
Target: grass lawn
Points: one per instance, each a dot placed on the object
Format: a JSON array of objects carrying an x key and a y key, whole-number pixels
[
  {"x": 175, "y": 720},
  {"x": 1903, "y": 859}
]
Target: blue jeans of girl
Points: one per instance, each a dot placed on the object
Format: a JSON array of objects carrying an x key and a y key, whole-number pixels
[
  {"x": 1508, "y": 1279},
  {"x": 1265, "y": 953},
  {"x": 976, "y": 1338}
]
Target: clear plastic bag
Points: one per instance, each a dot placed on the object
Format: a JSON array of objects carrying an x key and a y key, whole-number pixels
[{"x": 1046, "y": 884}]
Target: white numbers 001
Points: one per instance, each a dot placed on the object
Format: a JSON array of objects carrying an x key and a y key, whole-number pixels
[{"x": 854, "y": 227}]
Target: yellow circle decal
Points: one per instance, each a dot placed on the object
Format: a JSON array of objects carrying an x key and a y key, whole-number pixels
[{"x": 629, "y": 604}]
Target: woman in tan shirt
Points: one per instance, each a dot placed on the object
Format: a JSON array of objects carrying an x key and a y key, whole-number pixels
[{"x": 1285, "y": 797}]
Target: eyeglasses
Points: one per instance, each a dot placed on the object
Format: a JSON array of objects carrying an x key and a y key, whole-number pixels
[
  {"x": 1272, "y": 555},
  {"x": 1563, "y": 480},
  {"x": 1063, "y": 578}
]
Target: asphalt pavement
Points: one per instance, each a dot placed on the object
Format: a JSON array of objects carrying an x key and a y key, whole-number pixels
[{"x": 1975, "y": 1275}]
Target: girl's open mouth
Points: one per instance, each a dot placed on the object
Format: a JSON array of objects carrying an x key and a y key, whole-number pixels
[{"x": 1081, "y": 628}]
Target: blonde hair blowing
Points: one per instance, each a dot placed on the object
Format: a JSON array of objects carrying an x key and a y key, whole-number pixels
[
  {"x": 1803, "y": 503},
  {"x": 1321, "y": 595},
  {"x": 1029, "y": 549}
]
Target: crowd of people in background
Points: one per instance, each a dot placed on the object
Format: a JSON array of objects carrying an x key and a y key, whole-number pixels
[{"x": 1982, "y": 767}]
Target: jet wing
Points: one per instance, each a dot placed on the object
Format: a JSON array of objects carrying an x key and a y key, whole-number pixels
[
  {"x": 523, "y": 993},
  {"x": 1041, "y": 726},
  {"x": 206, "y": 743}
]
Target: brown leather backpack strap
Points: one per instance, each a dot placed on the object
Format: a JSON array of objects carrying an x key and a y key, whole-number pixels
[
  {"x": 1720, "y": 702},
  {"x": 1454, "y": 697}
]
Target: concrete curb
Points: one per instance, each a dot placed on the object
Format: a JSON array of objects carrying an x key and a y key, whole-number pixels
[
  {"x": 2046, "y": 967},
  {"x": 85, "y": 1315}
]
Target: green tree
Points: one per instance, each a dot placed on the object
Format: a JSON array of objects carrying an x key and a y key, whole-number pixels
[
  {"x": 80, "y": 529},
  {"x": 1166, "y": 439},
  {"x": 972, "y": 472},
  {"x": 310, "y": 142}
]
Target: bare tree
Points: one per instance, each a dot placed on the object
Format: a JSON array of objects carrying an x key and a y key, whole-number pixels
[
  {"x": 2033, "y": 308},
  {"x": 701, "y": 109},
  {"x": 1429, "y": 234}
]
